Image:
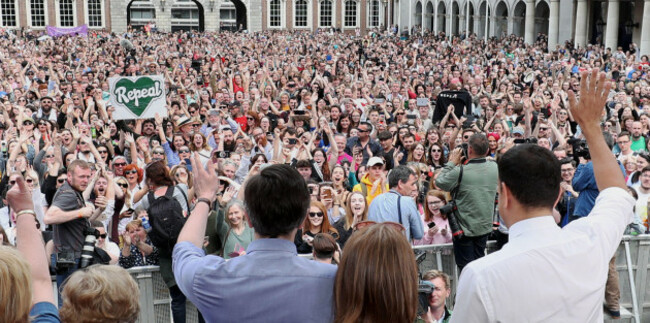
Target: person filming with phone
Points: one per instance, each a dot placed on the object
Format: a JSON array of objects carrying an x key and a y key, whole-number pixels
[{"x": 472, "y": 180}]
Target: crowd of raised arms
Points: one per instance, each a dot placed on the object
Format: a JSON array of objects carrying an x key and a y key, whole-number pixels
[{"x": 343, "y": 110}]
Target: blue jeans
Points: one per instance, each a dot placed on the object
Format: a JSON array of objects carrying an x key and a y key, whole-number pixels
[{"x": 61, "y": 277}]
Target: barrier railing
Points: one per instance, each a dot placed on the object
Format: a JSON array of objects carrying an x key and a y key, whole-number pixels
[{"x": 632, "y": 264}]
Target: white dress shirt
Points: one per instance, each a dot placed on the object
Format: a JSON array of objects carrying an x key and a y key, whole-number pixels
[{"x": 546, "y": 273}]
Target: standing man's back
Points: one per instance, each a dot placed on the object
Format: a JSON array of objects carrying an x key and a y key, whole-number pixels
[
  {"x": 270, "y": 283},
  {"x": 544, "y": 273}
]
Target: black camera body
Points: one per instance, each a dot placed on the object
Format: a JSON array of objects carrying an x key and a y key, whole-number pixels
[
  {"x": 580, "y": 149},
  {"x": 450, "y": 211}
]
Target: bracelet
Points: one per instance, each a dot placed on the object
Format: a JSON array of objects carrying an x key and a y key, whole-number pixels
[
  {"x": 204, "y": 200},
  {"x": 80, "y": 215},
  {"x": 26, "y": 212}
]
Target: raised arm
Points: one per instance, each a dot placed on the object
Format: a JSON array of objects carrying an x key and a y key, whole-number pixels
[{"x": 594, "y": 89}]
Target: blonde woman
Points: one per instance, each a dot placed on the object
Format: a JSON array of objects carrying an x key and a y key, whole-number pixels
[{"x": 100, "y": 293}]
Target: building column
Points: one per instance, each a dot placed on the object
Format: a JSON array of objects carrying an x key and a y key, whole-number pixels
[
  {"x": 553, "y": 24},
  {"x": 448, "y": 31},
  {"x": 529, "y": 33},
  {"x": 511, "y": 25},
  {"x": 645, "y": 30},
  {"x": 611, "y": 36},
  {"x": 467, "y": 19},
  {"x": 461, "y": 22},
  {"x": 581, "y": 24},
  {"x": 435, "y": 18}
]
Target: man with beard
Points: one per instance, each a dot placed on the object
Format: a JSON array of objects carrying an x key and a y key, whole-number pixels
[
  {"x": 214, "y": 122},
  {"x": 638, "y": 140},
  {"x": 187, "y": 126},
  {"x": 46, "y": 111},
  {"x": 229, "y": 144},
  {"x": 148, "y": 128},
  {"x": 69, "y": 215}
]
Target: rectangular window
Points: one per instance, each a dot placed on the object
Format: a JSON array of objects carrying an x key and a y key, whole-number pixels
[
  {"x": 274, "y": 12},
  {"x": 143, "y": 14},
  {"x": 66, "y": 13},
  {"x": 95, "y": 13},
  {"x": 8, "y": 9},
  {"x": 301, "y": 13},
  {"x": 326, "y": 13},
  {"x": 37, "y": 12},
  {"x": 350, "y": 14},
  {"x": 374, "y": 13}
]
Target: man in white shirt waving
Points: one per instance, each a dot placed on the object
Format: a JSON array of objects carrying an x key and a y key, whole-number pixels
[{"x": 546, "y": 273}]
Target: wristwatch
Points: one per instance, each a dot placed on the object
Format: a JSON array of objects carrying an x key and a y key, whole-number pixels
[{"x": 204, "y": 200}]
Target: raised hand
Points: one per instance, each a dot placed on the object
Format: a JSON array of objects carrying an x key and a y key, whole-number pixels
[
  {"x": 206, "y": 183},
  {"x": 594, "y": 90}
]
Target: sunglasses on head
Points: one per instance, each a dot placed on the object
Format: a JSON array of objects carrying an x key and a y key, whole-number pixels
[
  {"x": 366, "y": 224},
  {"x": 316, "y": 214}
]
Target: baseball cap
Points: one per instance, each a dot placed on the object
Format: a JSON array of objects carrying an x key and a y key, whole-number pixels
[
  {"x": 375, "y": 161},
  {"x": 518, "y": 130}
]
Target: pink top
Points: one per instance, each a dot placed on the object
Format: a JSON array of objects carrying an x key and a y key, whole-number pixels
[{"x": 436, "y": 238}]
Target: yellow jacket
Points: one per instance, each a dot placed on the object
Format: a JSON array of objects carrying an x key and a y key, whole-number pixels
[{"x": 366, "y": 189}]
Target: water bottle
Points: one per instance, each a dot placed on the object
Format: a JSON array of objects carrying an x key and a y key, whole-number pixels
[{"x": 145, "y": 224}]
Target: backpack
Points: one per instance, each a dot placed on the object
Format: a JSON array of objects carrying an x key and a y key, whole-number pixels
[{"x": 166, "y": 219}]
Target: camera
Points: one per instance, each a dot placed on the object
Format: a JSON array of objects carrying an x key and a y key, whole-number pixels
[
  {"x": 580, "y": 149},
  {"x": 88, "y": 249},
  {"x": 64, "y": 261},
  {"x": 450, "y": 211}
]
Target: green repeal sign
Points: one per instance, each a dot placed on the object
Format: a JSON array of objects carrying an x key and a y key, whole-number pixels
[{"x": 137, "y": 97}]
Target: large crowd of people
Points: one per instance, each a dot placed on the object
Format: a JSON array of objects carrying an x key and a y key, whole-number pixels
[{"x": 380, "y": 128}]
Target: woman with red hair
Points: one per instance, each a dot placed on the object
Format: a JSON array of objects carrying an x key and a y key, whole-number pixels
[
  {"x": 493, "y": 143},
  {"x": 316, "y": 222},
  {"x": 133, "y": 175}
]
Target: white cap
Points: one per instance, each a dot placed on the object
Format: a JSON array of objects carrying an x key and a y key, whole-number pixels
[{"x": 375, "y": 161}]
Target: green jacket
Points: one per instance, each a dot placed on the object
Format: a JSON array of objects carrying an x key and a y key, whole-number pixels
[{"x": 476, "y": 195}]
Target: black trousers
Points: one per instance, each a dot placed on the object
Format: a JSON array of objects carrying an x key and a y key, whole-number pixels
[{"x": 467, "y": 249}]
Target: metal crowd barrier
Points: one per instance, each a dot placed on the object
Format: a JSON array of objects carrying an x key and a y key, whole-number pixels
[{"x": 632, "y": 264}]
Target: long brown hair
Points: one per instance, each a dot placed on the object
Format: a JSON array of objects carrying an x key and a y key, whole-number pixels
[
  {"x": 325, "y": 227},
  {"x": 349, "y": 217},
  {"x": 377, "y": 280}
]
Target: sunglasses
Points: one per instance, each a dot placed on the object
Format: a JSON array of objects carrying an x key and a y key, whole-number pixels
[
  {"x": 49, "y": 156},
  {"x": 123, "y": 185},
  {"x": 133, "y": 171},
  {"x": 103, "y": 151},
  {"x": 22, "y": 100},
  {"x": 436, "y": 150},
  {"x": 250, "y": 118},
  {"x": 465, "y": 137},
  {"x": 103, "y": 235},
  {"x": 119, "y": 164},
  {"x": 183, "y": 151},
  {"x": 158, "y": 152},
  {"x": 29, "y": 180},
  {"x": 75, "y": 99},
  {"x": 366, "y": 224},
  {"x": 60, "y": 180},
  {"x": 361, "y": 130},
  {"x": 316, "y": 214},
  {"x": 27, "y": 123}
]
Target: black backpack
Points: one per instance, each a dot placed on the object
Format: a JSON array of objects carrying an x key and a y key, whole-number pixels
[{"x": 166, "y": 219}]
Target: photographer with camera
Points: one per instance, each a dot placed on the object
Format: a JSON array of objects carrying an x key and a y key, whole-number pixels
[
  {"x": 475, "y": 185},
  {"x": 437, "y": 299},
  {"x": 70, "y": 215}
]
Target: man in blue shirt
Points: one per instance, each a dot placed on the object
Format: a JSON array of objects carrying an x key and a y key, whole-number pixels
[
  {"x": 401, "y": 181},
  {"x": 270, "y": 283}
]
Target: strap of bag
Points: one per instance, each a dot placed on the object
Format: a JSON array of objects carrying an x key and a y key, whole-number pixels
[{"x": 364, "y": 189}]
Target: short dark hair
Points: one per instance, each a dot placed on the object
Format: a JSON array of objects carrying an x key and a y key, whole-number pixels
[
  {"x": 623, "y": 133},
  {"x": 645, "y": 169},
  {"x": 277, "y": 200},
  {"x": 479, "y": 144},
  {"x": 400, "y": 173},
  {"x": 525, "y": 164},
  {"x": 303, "y": 163},
  {"x": 384, "y": 135}
]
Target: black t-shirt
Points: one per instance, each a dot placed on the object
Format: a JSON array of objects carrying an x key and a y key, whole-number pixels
[
  {"x": 461, "y": 100},
  {"x": 69, "y": 236}
]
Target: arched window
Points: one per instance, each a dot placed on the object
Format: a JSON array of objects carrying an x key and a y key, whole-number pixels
[
  {"x": 301, "y": 13},
  {"x": 350, "y": 19},
  {"x": 9, "y": 14},
  {"x": 326, "y": 13},
  {"x": 275, "y": 18},
  {"x": 37, "y": 13}
]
